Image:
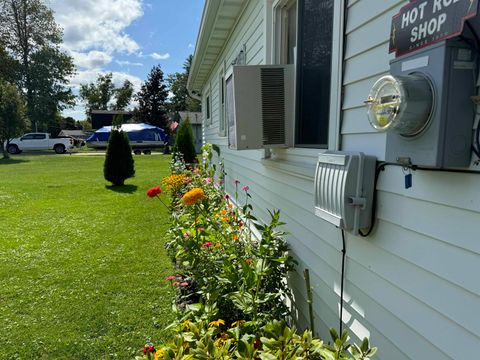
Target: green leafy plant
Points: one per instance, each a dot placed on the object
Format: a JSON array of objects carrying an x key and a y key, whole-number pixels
[{"x": 227, "y": 277}]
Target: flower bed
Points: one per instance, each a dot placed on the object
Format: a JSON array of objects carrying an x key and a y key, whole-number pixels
[{"x": 230, "y": 284}]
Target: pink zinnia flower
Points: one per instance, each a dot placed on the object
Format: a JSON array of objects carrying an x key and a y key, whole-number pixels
[
  {"x": 171, "y": 278},
  {"x": 245, "y": 188},
  {"x": 184, "y": 284},
  {"x": 207, "y": 244},
  {"x": 186, "y": 234},
  {"x": 208, "y": 180}
]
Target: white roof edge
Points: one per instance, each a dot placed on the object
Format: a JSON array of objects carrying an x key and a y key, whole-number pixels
[{"x": 207, "y": 26}]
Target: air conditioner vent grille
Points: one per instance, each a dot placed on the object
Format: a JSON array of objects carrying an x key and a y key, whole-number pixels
[{"x": 273, "y": 105}]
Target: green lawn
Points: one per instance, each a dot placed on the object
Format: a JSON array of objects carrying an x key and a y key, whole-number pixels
[{"x": 82, "y": 265}]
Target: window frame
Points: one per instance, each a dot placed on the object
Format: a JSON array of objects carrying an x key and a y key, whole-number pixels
[
  {"x": 222, "y": 124},
  {"x": 227, "y": 75},
  {"x": 207, "y": 106},
  {"x": 274, "y": 49}
]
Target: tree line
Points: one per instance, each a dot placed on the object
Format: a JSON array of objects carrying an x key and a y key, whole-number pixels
[{"x": 35, "y": 78}]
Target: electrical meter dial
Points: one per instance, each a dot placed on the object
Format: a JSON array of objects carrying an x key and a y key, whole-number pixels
[{"x": 400, "y": 103}]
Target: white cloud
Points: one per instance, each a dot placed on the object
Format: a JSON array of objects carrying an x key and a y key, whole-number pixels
[
  {"x": 89, "y": 76},
  {"x": 92, "y": 60},
  {"x": 94, "y": 32},
  {"x": 97, "y": 24},
  {"x": 158, "y": 56},
  {"x": 128, "y": 63}
]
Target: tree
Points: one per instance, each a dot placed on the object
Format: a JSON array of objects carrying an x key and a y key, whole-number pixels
[
  {"x": 100, "y": 94},
  {"x": 12, "y": 114},
  {"x": 97, "y": 95},
  {"x": 9, "y": 67},
  {"x": 181, "y": 100},
  {"x": 151, "y": 100},
  {"x": 32, "y": 37},
  {"x": 119, "y": 164},
  {"x": 124, "y": 95},
  {"x": 184, "y": 142},
  {"x": 50, "y": 94}
]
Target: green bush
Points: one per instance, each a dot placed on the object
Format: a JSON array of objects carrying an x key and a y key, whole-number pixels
[
  {"x": 119, "y": 164},
  {"x": 184, "y": 142}
]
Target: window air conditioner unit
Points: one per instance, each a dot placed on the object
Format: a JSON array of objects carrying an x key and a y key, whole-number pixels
[
  {"x": 344, "y": 187},
  {"x": 260, "y": 106}
]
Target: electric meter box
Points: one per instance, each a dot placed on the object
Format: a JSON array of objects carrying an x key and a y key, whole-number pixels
[{"x": 435, "y": 85}]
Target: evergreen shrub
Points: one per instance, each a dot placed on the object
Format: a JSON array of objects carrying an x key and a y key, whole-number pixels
[
  {"x": 184, "y": 142},
  {"x": 119, "y": 163}
]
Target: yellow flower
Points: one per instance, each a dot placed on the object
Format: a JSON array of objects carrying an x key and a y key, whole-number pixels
[
  {"x": 193, "y": 196},
  {"x": 238, "y": 323},
  {"x": 186, "y": 324},
  {"x": 173, "y": 181},
  {"x": 222, "y": 339},
  {"x": 217, "y": 322},
  {"x": 159, "y": 354}
]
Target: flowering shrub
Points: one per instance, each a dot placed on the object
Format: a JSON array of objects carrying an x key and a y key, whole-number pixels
[{"x": 231, "y": 285}]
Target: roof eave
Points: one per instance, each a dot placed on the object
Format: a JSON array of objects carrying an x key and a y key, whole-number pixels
[{"x": 213, "y": 13}]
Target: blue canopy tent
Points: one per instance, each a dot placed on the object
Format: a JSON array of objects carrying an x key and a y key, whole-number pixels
[{"x": 141, "y": 136}]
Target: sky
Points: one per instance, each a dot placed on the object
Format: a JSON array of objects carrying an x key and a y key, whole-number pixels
[{"x": 126, "y": 37}]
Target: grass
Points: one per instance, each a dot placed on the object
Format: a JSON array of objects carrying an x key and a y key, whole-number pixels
[{"x": 82, "y": 265}]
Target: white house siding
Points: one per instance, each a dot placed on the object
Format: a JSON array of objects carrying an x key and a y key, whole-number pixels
[{"x": 413, "y": 285}]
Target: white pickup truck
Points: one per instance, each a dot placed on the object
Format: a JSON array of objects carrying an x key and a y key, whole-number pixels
[{"x": 39, "y": 141}]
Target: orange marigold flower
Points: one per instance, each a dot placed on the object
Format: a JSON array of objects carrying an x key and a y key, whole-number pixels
[
  {"x": 223, "y": 212},
  {"x": 173, "y": 181},
  {"x": 193, "y": 196},
  {"x": 235, "y": 237}
]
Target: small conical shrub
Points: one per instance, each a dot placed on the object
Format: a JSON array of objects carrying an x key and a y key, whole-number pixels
[
  {"x": 184, "y": 142},
  {"x": 119, "y": 164}
]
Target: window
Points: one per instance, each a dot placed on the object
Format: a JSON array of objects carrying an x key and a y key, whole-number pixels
[
  {"x": 39, "y": 136},
  {"x": 221, "y": 94},
  {"x": 230, "y": 111},
  {"x": 207, "y": 110},
  {"x": 28, "y": 137},
  {"x": 303, "y": 36}
]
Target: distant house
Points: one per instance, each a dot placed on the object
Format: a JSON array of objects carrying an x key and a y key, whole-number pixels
[{"x": 101, "y": 118}]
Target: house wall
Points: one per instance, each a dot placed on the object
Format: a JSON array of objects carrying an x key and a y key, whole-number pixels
[{"x": 412, "y": 286}]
